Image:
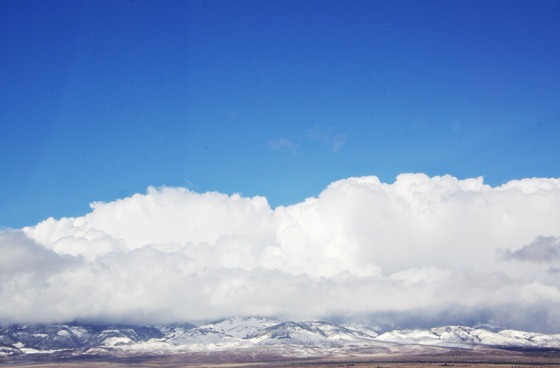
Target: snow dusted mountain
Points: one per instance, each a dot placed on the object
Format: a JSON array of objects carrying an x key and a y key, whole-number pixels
[
  {"x": 252, "y": 336},
  {"x": 309, "y": 333},
  {"x": 40, "y": 338},
  {"x": 239, "y": 327},
  {"x": 228, "y": 333},
  {"x": 461, "y": 336}
]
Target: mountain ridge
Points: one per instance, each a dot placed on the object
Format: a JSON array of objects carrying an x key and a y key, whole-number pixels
[{"x": 252, "y": 336}]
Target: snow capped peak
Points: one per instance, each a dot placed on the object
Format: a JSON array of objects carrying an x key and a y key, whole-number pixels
[
  {"x": 239, "y": 327},
  {"x": 308, "y": 333}
]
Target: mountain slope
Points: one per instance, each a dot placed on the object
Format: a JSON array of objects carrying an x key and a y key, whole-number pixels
[
  {"x": 254, "y": 337},
  {"x": 309, "y": 333},
  {"x": 461, "y": 336}
]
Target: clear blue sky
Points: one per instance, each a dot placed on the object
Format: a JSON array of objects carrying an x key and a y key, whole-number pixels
[{"x": 100, "y": 99}]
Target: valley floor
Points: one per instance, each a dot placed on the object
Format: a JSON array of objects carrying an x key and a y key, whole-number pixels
[{"x": 486, "y": 358}]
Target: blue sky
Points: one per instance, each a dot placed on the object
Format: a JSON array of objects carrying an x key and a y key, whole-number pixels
[{"x": 100, "y": 99}]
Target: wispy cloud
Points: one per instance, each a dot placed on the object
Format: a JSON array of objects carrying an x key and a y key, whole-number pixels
[
  {"x": 284, "y": 145},
  {"x": 334, "y": 140},
  {"x": 421, "y": 246}
]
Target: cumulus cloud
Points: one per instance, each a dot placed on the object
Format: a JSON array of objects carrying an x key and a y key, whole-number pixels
[
  {"x": 22, "y": 255},
  {"x": 421, "y": 250},
  {"x": 544, "y": 249}
]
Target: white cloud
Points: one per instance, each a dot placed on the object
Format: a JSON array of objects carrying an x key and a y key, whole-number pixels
[{"x": 419, "y": 250}]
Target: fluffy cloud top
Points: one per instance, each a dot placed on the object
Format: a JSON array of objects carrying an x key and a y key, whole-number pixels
[{"x": 418, "y": 251}]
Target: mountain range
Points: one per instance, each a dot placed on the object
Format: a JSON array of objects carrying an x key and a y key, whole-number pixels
[{"x": 252, "y": 338}]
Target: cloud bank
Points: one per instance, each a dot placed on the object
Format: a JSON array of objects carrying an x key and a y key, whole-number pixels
[{"x": 416, "y": 252}]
